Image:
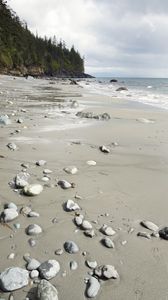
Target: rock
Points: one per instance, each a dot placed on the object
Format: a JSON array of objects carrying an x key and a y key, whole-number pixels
[
  {"x": 73, "y": 265},
  {"x": 107, "y": 230},
  {"x": 21, "y": 180},
  {"x": 91, "y": 115},
  {"x": 45, "y": 178},
  {"x": 108, "y": 242},
  {"x": 70, "y": 205},
  {"x": 71, "y": 170},
  {"x": 144, "y": 234},
  {"x": 20, "y": 121},
  {"x": 11, "y": 256},
  {"x": 32, "y": 189},
  {"x": 49, "y": 269},
  {"x": 145, "y": 121},
  {"x": 155, "y": 234},
  {"x": 91, "y": 264},
  {"x": 59, "y": 251},
  {"x": 46, "y": 291},
  {"x": 9, "y": 214},
  {"x": 33, "y": 229},
  {"x": 113, "y": 80},
  {"x": 163, "y": 233},
  {"x": 33, "y": 214},
  {"x": 78, "y": 220},
  {"x": 25, "y": 165},
  {"x": 71, "y": 247},
  {"x": 33, "y": 264},
  {"x": 109, "y": 271},
  {"x": 25, "y": 210},
  {"x": 41, "y": 162},
  {"x": 11, "y": 205},
  {"x": 74, "y": 104},
  {"x": 149, "y": 225},
  {"x": 91, "y": 163},
  {"x": 12, "y": 146},
  {"x": 104, "y": 149},
  {"x": 34, "y": 274},
  {"x": 32, "y": 242},
  {"x": 64, "y": 184},
  {"x": 5, "y": 120},
  {"x": 90, "y": 233},
  {"x": 86, "y": 225},
  {"x": 122, "y": 88},
  {"x": 93, "y": 287},
  {"x": 13, "y": 278},
  {"x": 47, "y": 171}
]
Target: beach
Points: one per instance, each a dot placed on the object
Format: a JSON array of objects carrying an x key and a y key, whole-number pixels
[{"x": 124, "y": 187}]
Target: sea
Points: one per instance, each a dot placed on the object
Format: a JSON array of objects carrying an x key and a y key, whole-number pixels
[{"x": 149, "y": 91}]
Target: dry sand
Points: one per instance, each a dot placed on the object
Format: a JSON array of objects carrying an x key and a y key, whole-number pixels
[{"x": 126, "y": 186}]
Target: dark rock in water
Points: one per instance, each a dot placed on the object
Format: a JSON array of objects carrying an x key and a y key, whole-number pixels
[
  {"x": 72, "y": 81},
  {"x": 164, "y": 233},
  {"x": 91, "y": 115},
  {"x": 122, "y": 88},
  {"x": 113, "y": 80}
]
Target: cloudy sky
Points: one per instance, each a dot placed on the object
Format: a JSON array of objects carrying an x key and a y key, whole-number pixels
[{"x": 116, "y": 37}]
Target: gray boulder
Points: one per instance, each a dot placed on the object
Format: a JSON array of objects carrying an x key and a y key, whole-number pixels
[
  {"x": 46, "y": 291},
  {"x": 49, "y": 269},
  {"x": 13, "y": 278}
]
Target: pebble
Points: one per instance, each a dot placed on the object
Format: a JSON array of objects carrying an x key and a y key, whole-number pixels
[
  {"x": 93, "y": 287},
  {"x": 25, "y": 210},
  {"x": 71, "y": 247},
  {"x": 33, "y": 214},
  {"x": 33, "y": 189},
  {"x": 13, "y": 278},
  {"x": 59, "y": 251},
  {"x": 144, "y": 234},
  {"x": 11, "y": 256},
  {"x": 64, "y": 184},
  {"x": 11, "y": 205},
  {"x": 91, "y": 264},
  {"x": 47, "y": 171},
  {"x": 5, "y": 120},
  {"x": 78, "y": 220},
  {"x": 73, "y": 265},
  {"x": 45, "y": 179},
  {"x": 70, "y": 205},
  {"x": 86, "y": 225},
  {"x": 109, "y": 271},
  {"x": 163, "y": 233},
  {"x": 25, "y": 165},
  {"x": 71, "y": 170},
  {"x": 49, "y": 269},
  {"x": 33, "y": 229},
  {"x": 12, "y": 146},
  {"x": 104, "y": 149},
  {"x": 20, "y": 121},
  {"x": 9, "y": 214},
  {"x": 78, "y": 197},
  {"x": 41, "y": 162},
  {"x": 91, "y": 163},
  {"x": 155, "y": 234},
  {"x": 108, "y": 242},
  {"x": 149, "y": 225},
  {"x": 90, "y": 233},
  {"x": 107, "y": 230},
  {"x": 33, "y": 264},
  {"x": 34, "y": 274},
  {"x": 46, "y": 291},
  {"x": 21, "y": 179},
  {"x": 32, "y": 242}
]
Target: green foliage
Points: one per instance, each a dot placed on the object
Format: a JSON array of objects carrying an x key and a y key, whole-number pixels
[{"x": 20, "y": 48}]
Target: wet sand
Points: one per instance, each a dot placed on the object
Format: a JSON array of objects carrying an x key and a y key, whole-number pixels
[{"x": 126, "y": 186}]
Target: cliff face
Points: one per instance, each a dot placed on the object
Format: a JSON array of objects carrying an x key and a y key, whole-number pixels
[{"x": 22, "y": 53}]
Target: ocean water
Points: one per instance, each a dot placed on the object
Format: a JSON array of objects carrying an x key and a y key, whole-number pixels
[{"x": 150, "y": 91}]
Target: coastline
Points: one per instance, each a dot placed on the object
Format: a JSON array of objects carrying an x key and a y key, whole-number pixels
[{"x": 125, "y": 187}]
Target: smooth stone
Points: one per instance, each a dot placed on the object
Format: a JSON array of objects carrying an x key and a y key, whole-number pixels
[
  {"x": 34, "y": 274},
  {"x": 11, "y": 205},
  {"x": 13, "y": 278},
  {"x": 32, "y": 242},
  {"x": 90, "y": 233},
  {"x": 64, "y": 184},
  {"x": 86, "y": 225},
  {"x": 163, "y": 233},
  {"x": 155, "y": 234},
  {"x": 108, "y": 242},
  {"x": 70, "y": 205},
  {"x": 47, "y": 171},
  {"x": 71, "y": 170},
  {"x": 33, "y": 189},
  {"x": 21, "y": 179},
  {"x": 9, "y": 214},
  {"x": 144, "y": 234},
  {"x": 45, "y": 179},
  {"x": 73, "y": 265},
  {"x": 104, "y": 149},
  {"x": 33, "y": 264},
  {"x": 25, "y": 210},
  {"x": 11, "y": 256},
  {"x": 93, "y": 287},
  {"x": 149, "y": 225},
  {"x": 91, "y": 163},
  {"x": 59, "y": 251},
  {"x": 5, "y": 120},
  {"x": 107, "y": 230},
  {"x": 49, "y": 269},
  {"x": 46, "y": 291},
  {"x": 145, "y": 121},
  {"x": 71, "y": 247},
  {"x": 12, "y": 146},
  {"x": 33, "y": 214},
  {"x": 41, "y": 162},
  {"x": 91, "y": 264},
  {"x": 122, "y": 88},
  {"x": 33, "y": 229},
  {"x": 78, "y": 220},
  {"x": 109, "y": 271},
  {"x": 25, "y": 165}
]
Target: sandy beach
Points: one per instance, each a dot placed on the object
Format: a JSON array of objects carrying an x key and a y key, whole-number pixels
[{"x": 126, "y": 186}]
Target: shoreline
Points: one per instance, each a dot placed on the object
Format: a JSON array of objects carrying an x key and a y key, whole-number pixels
[{"x": 126, "y": 186}]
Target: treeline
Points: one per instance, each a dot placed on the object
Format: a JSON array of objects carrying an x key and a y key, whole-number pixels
[{"x": 23, "y": 52}]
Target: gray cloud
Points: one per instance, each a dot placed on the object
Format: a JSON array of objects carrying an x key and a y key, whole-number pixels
[{"x": 126, "y": 37}]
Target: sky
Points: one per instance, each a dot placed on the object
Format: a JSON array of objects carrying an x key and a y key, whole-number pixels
[{"x": 126, "y": 38}]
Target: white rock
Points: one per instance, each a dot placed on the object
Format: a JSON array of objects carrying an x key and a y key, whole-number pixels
[
  {"x": 109, "y": 271},
  {"x": 33, "y": 229},
  {"x": 149, "y": 225},
  {"x": 11, "y": 205},
  {"x": 93, "y": 287},
  {"x": 47, "y": 171},
  {"x": 144, "y": 234},
  {"x": 33, "y": 189},
  {"x": 90, "y": 233},
  {"x": 34, "y": 274},
  {"x": 41, "y": 162},
  {"x": 91, "y": 264},
  {"x": 9, "y": 214},
  {"x": 33, "y": 214},
  {"x": 91, "y": 163},
  {"x": 64, "y": 184},
  {"x": 45, "y": 179},
  {"x": 71, "y": 247},
  {"x": 78, "y": 220},
  {"x": 107, "y": 230},
  {"x": 4, "y": 120},
  {"x": 11, "y": 256},
  {"x": 12, "y": 146},
  {"x": 21, "y": 179},
  {"x": 73, "y": 265},
  {"x": 104, "y": 149},
  {"x": 108, "y": 242},
  {"x": 86, "y": 225},
  {"x": 25, "y": 210},
  {"x": 13, "y": 278},
  {"x": 143, "y": 120},
  {"x": 46, "y": 291},
  {"x": 33, "y": 264},
  {"x": 49, "y": 269},
  {"x": 71, "y": 170},
  {"x": 70, "y": 205}
]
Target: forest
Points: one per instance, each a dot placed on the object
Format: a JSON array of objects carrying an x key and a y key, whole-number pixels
[{"x": 23, "y": 53}]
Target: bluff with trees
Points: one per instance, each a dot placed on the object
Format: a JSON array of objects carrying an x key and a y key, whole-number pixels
[{"x": 23, "y": 53}]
